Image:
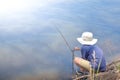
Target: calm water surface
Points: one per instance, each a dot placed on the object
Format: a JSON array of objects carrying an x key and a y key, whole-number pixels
[{"x": 32, "y": 49}]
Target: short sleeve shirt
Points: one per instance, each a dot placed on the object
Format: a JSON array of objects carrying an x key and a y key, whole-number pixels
[{"x": 94, "y": 54}]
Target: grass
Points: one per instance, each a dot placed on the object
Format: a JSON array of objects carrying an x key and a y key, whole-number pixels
[{"x": 118, "y": 67}]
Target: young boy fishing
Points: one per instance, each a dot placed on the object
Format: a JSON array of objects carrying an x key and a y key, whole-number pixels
[{"x": 92, "y": 55}]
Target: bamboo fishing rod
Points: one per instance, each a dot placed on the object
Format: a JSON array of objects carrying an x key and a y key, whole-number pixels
[{"x": 72, "y": 50}]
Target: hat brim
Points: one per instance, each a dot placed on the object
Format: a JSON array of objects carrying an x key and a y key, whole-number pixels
[{"x": 94, "y": 41}]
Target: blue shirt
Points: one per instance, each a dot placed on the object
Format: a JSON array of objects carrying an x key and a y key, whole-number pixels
[{"x": 94, "y": 54}]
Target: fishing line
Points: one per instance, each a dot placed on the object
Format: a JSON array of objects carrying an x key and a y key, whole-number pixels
[
  {"x": 64, "y": 39},
  {"x": 72, "y": 51}
]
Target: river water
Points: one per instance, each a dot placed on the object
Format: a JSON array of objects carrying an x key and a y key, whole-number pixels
[{"x": 32, "y": 49}]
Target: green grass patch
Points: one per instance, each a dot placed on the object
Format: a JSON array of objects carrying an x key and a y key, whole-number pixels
[{"x": 118, "y": 67}]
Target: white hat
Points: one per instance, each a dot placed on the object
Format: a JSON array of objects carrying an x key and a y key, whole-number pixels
[{"x": 87, "y": 39}]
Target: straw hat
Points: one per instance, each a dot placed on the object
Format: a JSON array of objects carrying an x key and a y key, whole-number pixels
[{"x": 87, "y": 39}]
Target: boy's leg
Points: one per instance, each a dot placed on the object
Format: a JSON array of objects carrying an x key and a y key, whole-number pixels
[{"x": 82, "y": 63}]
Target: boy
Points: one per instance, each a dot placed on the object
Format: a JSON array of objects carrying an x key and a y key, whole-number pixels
[{"x": 92, "y": 55}]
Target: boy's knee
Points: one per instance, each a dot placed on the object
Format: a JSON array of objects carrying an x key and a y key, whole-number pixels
[{"x": 76, "y": 59}]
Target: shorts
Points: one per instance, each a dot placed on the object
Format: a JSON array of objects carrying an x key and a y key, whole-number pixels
[{"x": 83, "y": 63}]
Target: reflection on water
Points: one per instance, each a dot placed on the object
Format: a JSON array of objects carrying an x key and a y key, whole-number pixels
[
  {"x": 36, "y": 51},
  {"x": 46, "y": 58},
  {"x": 32, "y": 60}
]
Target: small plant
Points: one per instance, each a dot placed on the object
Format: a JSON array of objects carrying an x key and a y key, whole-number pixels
[{"x": 118, "y": 67}]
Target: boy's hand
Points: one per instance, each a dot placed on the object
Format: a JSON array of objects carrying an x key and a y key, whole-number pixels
[{"x": 76, "y": 48}]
